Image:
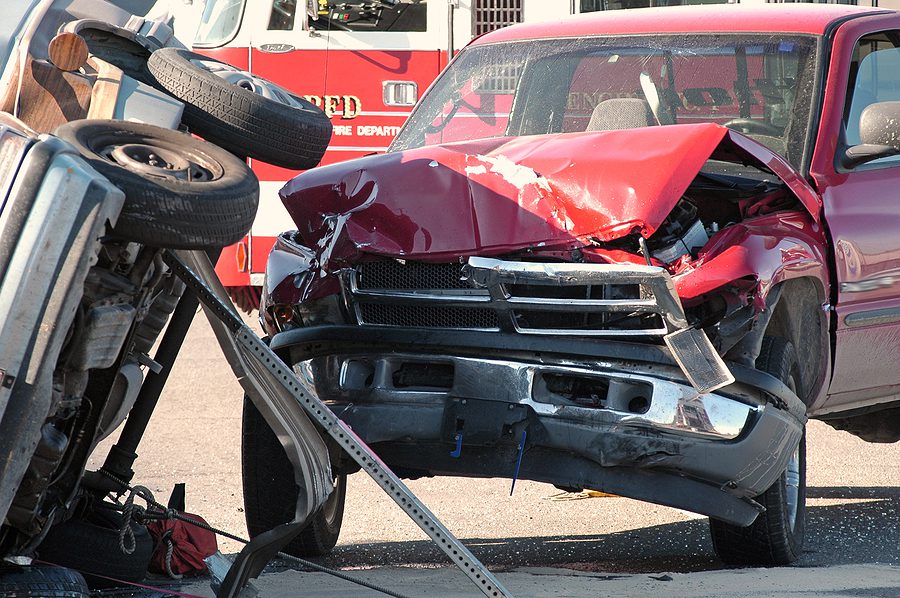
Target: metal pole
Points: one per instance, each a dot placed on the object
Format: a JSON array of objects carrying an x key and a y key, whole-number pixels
[{"x": 451, "y": 7}]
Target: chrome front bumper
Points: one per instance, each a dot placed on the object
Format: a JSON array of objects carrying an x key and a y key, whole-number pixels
[
  {"x": 631, "y": 401},
  {"x": 469, "y": 403}
]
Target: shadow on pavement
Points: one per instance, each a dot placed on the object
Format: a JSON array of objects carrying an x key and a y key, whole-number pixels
[{"x": 863, "y": 530}]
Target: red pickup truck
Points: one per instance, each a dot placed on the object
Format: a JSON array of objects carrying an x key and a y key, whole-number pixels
[{"x": 631, "y": 251}]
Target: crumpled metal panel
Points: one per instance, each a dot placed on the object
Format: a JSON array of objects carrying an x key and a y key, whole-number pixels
[
  {"x": 492, "y": 196},
  {"x": 301, "y": 440}
]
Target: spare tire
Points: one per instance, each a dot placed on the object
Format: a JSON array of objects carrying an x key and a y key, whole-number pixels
[
  {"x": 180, "y": 192},
  {"x": 241, "y": 112}
]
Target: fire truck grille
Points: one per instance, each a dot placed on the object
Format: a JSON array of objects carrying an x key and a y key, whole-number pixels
[{"x": 494, "y": 14}]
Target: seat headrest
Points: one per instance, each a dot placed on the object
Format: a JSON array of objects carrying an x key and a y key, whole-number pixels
[{"x": 621, "y": 113}]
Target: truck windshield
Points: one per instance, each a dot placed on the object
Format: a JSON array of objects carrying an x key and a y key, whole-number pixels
[
  {"x": 760, "y": 85},
  {"x": 219, "y": 23}
]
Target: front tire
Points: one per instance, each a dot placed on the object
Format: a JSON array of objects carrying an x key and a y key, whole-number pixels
[
  {"x": 270, "y": 492},
  {"x": 776, "y": 536}
]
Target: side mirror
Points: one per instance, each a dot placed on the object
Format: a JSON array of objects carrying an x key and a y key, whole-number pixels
[{"x": 879, "y": 132}]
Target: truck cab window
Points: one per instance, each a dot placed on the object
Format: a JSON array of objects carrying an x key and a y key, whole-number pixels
[
  {"x": 371, "y": 15},
  {"x": 219, "y": 23},
  {"x": 874, "y": 77},
  {"x": 282, "y": 16}
]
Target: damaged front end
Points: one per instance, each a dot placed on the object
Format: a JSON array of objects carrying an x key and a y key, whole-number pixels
[{"x": 502, "y": 308}]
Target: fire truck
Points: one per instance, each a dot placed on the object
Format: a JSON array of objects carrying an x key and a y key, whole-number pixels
[{"x": 364, "y": 63}]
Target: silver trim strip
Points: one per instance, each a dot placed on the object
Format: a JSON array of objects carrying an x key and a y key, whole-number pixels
[{"x": 874, "y": 317}]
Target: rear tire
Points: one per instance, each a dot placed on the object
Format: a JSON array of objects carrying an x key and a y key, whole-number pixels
[
  {"x": 270, "y": 492},
  {"x": 292, "y": 133},
  {"x": 776, "y": 536},
  {"x": 189, "y": 194}
]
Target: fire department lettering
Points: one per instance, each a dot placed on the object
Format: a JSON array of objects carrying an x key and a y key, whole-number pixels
[
  {"x": 376, "y": 131},
  {"x": 348, "y": 107}
]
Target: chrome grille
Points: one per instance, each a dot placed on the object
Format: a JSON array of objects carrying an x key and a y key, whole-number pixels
[
  {"x": 522, "y": 297},
  {"x": 381, "y": 314}
]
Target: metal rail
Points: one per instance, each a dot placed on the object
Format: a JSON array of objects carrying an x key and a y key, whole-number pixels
[{"x": 200, "y": 282}]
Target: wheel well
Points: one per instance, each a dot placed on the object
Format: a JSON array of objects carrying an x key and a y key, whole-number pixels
[{"x": 799, "y": 317}]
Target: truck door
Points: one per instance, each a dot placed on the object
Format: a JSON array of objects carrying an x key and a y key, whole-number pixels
[{"x": 862, "y": 208}]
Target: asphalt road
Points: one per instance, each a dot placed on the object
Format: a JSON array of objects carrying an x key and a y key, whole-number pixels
[{"x": 853, "y": 503}]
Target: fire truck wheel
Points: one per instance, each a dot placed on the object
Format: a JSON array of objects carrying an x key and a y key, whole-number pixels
[
  {"x": 241, "y": 112},
  {"x": 270, "y": 493},
  {"x": 180, "y": 192}
]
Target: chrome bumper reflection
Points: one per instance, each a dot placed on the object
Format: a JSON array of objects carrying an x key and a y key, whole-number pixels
[{"x": 621, "y": 400}]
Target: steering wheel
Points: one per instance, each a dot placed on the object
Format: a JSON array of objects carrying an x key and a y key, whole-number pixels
[{"x": 754, "y": 127}]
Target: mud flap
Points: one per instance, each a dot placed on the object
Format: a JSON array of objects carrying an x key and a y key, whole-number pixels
[{"x": 698, "y": 360}]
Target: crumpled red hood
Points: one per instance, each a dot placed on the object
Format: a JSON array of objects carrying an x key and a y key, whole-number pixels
[{"x": 499, "y": 195}]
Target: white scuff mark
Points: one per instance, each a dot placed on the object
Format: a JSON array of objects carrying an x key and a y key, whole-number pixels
[{"x": 517, "y": 175}]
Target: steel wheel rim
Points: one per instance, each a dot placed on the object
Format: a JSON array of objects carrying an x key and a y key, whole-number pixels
[
  {"x": 792, "y": 478},
  {"x": 792, "y": 487},
  {"x": 156, "y": 158},
  {"x": 330, "y": 508},
  {"x": 250, "y": 82}
]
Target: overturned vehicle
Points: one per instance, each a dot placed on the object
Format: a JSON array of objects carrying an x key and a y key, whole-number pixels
[
  {"x": 99, "y": 179},
  {"x": 604, "y": 258}
]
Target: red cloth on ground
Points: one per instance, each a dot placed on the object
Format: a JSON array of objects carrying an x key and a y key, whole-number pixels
[{"x": 190, "y": 545}]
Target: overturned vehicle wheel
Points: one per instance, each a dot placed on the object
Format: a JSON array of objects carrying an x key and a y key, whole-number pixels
[
  {"x": 776, "y": 536},
  {"x": 96, "y": 546},
  {"x": 180, "y": 192},
  {"x": 40, "y": 581},
  {"x": 241, "y": 112},
  {"x": 270, "y": 493}
]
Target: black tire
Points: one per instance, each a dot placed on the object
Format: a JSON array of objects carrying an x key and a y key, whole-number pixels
[
  {"x": 91, "y": 546},
  {"x": 240, "y": 119},
  {"x": 214, "y": 208},
  {"x": 270, "y": 493},
  {"x": 776, "y": 536},
  {"x": 41, "y": 581}
]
